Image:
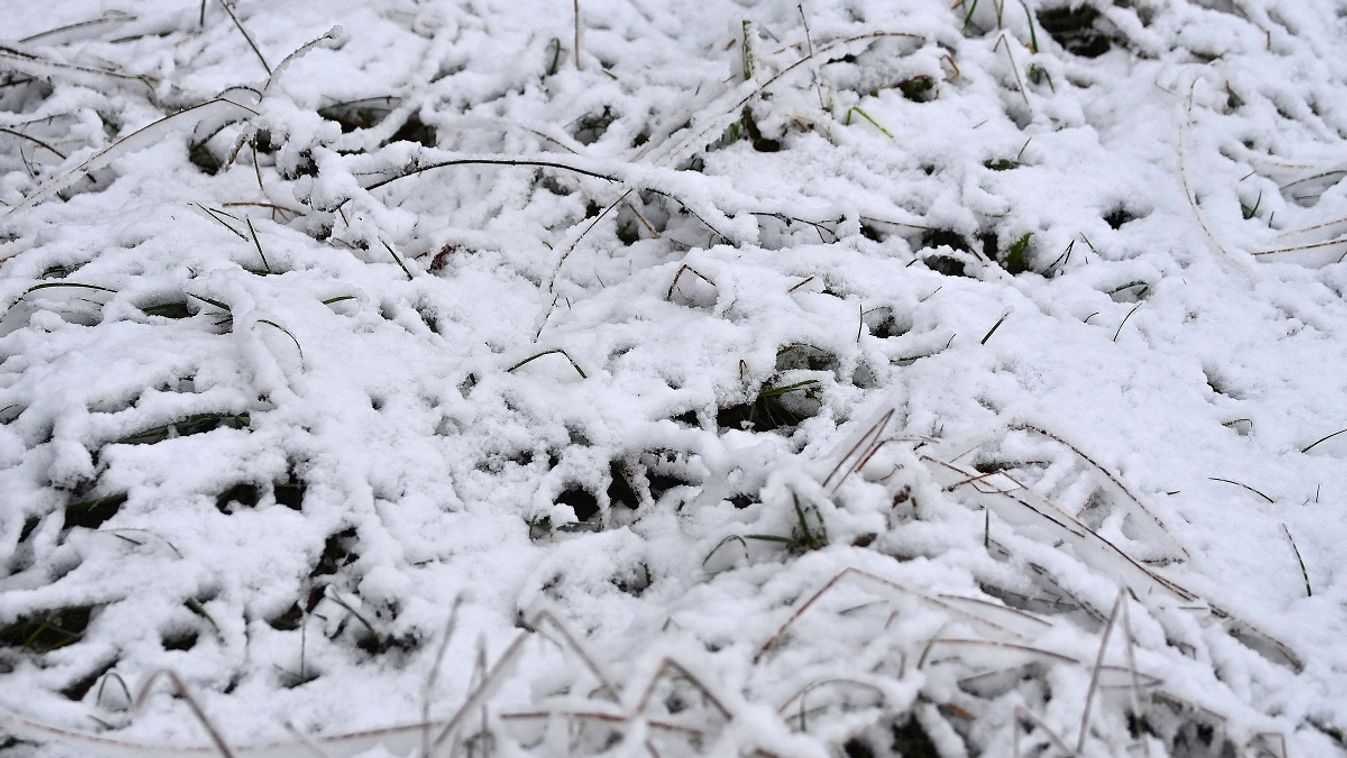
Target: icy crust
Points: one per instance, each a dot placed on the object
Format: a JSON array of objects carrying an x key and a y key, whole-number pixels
[{"x": 860, "y": 378}]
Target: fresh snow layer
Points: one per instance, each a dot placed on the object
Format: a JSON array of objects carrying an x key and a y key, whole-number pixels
[{"x": 863, "y": 377}]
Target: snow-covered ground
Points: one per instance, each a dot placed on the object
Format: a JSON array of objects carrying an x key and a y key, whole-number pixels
[{"x": 861, "y": 377}]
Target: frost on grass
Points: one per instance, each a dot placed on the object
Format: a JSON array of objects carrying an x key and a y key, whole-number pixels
[{"x": 858, "y": 378}]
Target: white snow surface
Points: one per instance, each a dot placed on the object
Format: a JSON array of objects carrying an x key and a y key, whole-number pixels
[{"x": 864, "y": 377}]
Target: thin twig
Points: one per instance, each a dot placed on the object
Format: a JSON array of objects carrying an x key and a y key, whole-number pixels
[
  {"x": 669, "y": 664},
  {"x": 1132, "y": 672},
  {"x": 597, "y": 715},
  {"x": 1094, "y": 675},
  {"x": 864, "y": 443},
  {"x": 573, "y": 640},
  {"x": 1183, "y": 173},
  {"x": 1297, "y": 248},
  {"x": 685, "y": 268},
  {"x": 851, "y": 572},
  {"x": 1025, "y": 713},
  {"x": 215, "y": 737},
  {"x": 1109, "y": 474},
  {"x": 823, "y": 683},
  {"x": 481, "y": 692},
  {"x": 577, "y": 34},
  {"x": 449, "y": 629},
  {"x": 809, "y": 45}
]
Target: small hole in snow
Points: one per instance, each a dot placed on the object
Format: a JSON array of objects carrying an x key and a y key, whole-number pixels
[
  {"x": 180, "y": 639},
  {"x": 1119, "y": 216},
  {"x": 582, "y": 503}
]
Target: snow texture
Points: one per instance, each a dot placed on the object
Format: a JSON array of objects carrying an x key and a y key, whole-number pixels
[{"x": 865, "y": 377}]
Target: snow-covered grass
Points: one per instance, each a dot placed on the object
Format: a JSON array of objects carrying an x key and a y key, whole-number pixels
[{"x": 861, "y": 377}]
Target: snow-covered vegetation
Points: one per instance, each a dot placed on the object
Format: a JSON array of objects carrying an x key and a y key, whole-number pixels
[{"x": 531, "y": 377}]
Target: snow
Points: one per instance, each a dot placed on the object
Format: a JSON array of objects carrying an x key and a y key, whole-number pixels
[{"x": 415, "y": 384}]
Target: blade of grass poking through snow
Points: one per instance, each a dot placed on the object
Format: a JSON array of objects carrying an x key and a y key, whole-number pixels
[
  {"x": 332, "y": 595},
  {"x": 1321, "y": 175},
  {"x": 141, "y": 138},
  {"x": 1188, "y": 193},
  {"x": 338, "y": 299},
  {"x": 861, "y": 112},
  {"x": 1014, "y": 67},
  {"x": 34, "y": 140},
  {"x": 774, "y": 392},
  {"x": 50, "y": 70},
  {"x": 215, "y": 215},
  {"x": 1309, "y": 246},
  {"x": 995, "y": 326},
  {"x": 1017, "y": 259},
  {"x": 258, "y": 245},
  {"x": 696, "y": 137},
  {"x": 209, "y": 301},
  {"x": 723, "y": 543},
  {"x": 1324, "y": 438},
  {"x": 1033, "y": 35},
  {"x": 1240, "y": 484},
  {"x": 274, "y": 207},
  {"x": 257, "y": 170},
  {"x": 397, "y": 260},
  {"x": 102, "y": 686},
  {"x": 195, "y": 606},
  {"x": 271, "y": 323},
  {"x": 809, "y": 46},
  {"x": 746, "y": 47},
  {"x": 331, "y": 38},
  {"x": 549, "y": 162},
  {"x": 228, "y": 9},
  {"x": 77, "y": 30},
  {"x": 1304, "y": 574},
  {"x": 536, "y": 356},
  {"x": 972, "y": 7},
  {"x": 1117, "y": 482},
  {"x": 555, "y": 47},
  {"x": 685, "y": 269},
  {"x": 51, "y": 285},
  {"x": 1123, "y": 323}
]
